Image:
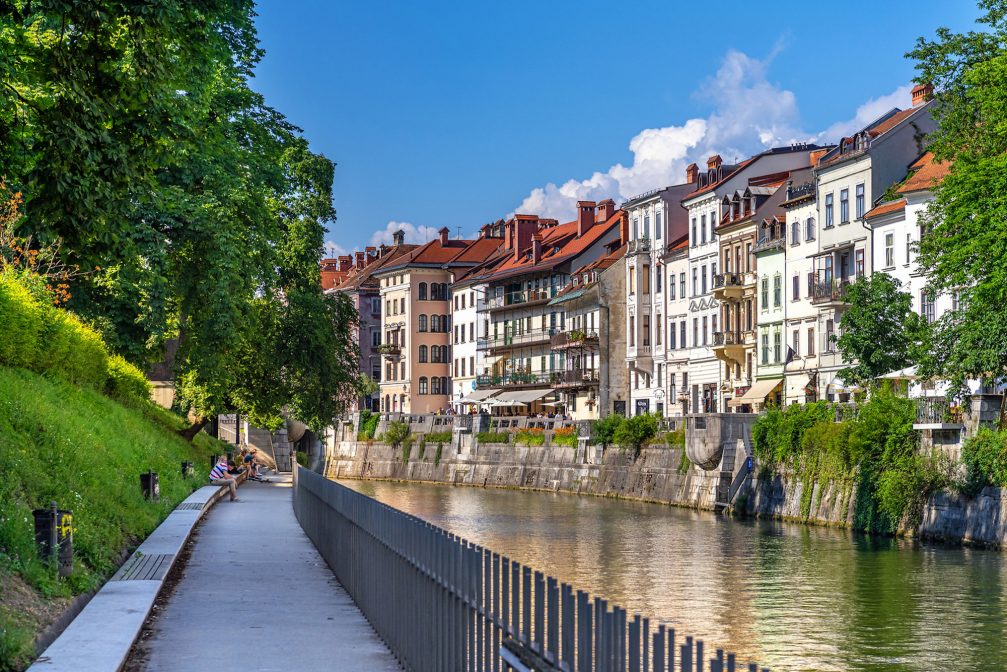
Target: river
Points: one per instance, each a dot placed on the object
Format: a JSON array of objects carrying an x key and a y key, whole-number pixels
[{"x": 789, "y": 596}]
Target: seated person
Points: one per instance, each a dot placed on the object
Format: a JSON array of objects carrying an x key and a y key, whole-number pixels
[
  {"x": 219, "y": 476},
  {"x": 251, "y": 466}
]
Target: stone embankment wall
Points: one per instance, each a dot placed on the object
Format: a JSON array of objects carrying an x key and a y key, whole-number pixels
[{"x": 659, "y": 474}]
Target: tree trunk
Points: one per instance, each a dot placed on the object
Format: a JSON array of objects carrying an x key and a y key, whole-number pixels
[{"x": 189, "y": 433}]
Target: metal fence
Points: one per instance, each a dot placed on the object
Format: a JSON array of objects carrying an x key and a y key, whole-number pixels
[{"x": 441, "y": 603}]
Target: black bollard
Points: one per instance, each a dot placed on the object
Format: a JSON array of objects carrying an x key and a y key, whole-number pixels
[
  {"x": 54, "y": 537},
  {"x": 188, "y": 469},
  {"x": 151, "y": 486}
]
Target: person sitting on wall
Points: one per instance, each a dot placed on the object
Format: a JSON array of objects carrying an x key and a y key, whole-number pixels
[
  {"x": 219, "y": 476},
  {"x": 251, "y": 466}
]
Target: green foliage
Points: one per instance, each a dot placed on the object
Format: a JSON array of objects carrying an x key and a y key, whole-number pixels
[
  {"x": 71, "y": 350},
  {"x": 676, "y": 439},
  {"x": 16, "y": 641},
  {"x": 77, "y": 447},
  {"x": 302, "y": 458},
  {"x": 125, "y": 381},
  {"x": 684, "y": 463},
  {"x": 603, "y": 430},
  {"x": 437, "y": 454},
  {"x": 438, "y": 437},
  {"x": 963, "y": 249},
  {"x": 395, "y": 434},
  {"x": 565, "y": 436},
  {"x": 368, "y": 425},
  {"x": 493, "y": 437},
  {"x": 22, "y": 320},
  {"x": 879, "y": 329},
  {"x": 529, "y": 437},
  {"x": 985, "y": 458},
  {"x": 635, "y": 432}
]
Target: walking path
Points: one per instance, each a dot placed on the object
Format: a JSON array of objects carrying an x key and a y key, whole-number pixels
[{"x": 256, "y": 595}]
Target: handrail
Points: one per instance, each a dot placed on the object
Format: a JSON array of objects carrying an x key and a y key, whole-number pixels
[{"x": 440, "y": 602}]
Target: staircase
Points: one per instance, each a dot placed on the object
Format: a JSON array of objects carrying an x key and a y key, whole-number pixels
[{"x": 732, "y": 477}]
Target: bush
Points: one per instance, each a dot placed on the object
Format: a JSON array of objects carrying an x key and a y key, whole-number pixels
[
  {"x": 565, "y": 436},
  {"x": 125, "y": 381},
  {"x": 22, "y": 320},
  {"x": 633, "y": 433},
  {"x": 438, "y": 437},
  {"x": 533, "y": 436},
  {"x": 603, "y": 430},
  {"x": 676, "y": 439},
  {"x": 71, "y": 350},
  {"x": 985, "y": 458},
  {"x": 395, "y": 434},
  {"x": 493, "y": 437},
  {"x": 368, "y": 425}
]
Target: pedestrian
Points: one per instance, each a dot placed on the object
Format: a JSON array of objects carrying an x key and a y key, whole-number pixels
[{"x": 219, "y": 476}]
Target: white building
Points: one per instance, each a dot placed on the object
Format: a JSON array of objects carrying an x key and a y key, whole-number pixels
[{"x": 676, "y": 352}]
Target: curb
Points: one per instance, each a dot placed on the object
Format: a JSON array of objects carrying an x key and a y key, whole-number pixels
[{"x": 100, "y": 638}]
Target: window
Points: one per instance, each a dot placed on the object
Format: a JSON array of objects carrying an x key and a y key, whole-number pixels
[
  {"x": 695, "y": 281},
  {"x": 402, "y": 305},
  {"x": 422, "y": 323},
  {"x": 702, "y": 274},
  {"x": 681, "y": 285},
  {"x": 472, "y": 365},
  {"x": 646, "y": 226},
  {"x": 909, "y": 245},
  {"x": 445, "y": 354},
  {"x": 435, "y": 385},
  {"x": 456, "y": 369},
  {"x": 673, "y": 398},
  {"x": 859, "y": 255},
  {"x": 765, "y": 293},
  {"x": 646, "y": 330},
  {"x": 705, "y": 330},
  {"x": 828, "y": 211},
  {"x": 702, "y": 229},
  {"x": 375, "y": 305},
  {"x": 671, "y": 336},
  {"x": 632, "y": 331},
  {"x": 811, "y": 341},
  {"x": 889, "y": 250},
  {"x": 658, "y": 277},
  {"x": 645, "y": 279},
  {"x": 435, "y": 323},
  {"x": 671, "y": 287},
  {"x": 657, "y": 330},
  {"x": 811, "y": 283},
  {"x": 796, "y": 342},
  {"x": 829, "y": 333},
  {"x": 695, "y": 332},
  {"x": 657, "y": 225},
  {"x": 472, "y": 331},
  {"x": 694, "y": 238},
  {"x": 435, "y": 355},
  {"x": 777, "y": 346},
  {"x": 927, "y": 307},
  {"x": 375, "y": 338},
  {"x": 423, "y": 354},
  {"x": 809, "y": 229},
  {"x": 796, "y": 288},
  {"x": 765, "y": 347},
  {"x": 777, "y": 290},
  {"x": 681, "y": 334},
  {"x": 860, "y": 200},
  {"x": 795, "y": 232},
  {"x": 424, "y": 385},
  {"x": 423, "y": 291},
  {"x": 749, "y": 259},
  {"x": 844, "y": 206}
]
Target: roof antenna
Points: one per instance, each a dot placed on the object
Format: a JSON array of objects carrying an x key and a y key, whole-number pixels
[{"x": 458, "y": 237}]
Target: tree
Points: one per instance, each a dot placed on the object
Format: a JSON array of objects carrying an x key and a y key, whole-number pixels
[
  {"x": 964, "y": 249},
  {"x": 879, "y": 329}
]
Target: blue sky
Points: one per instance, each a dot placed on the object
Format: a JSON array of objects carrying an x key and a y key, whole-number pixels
[{"x": 455, "y": 114}]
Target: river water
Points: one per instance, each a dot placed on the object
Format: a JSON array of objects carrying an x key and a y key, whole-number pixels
[{"x": 789, "y": 596}]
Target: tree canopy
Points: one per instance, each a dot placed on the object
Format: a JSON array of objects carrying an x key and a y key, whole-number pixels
[
  {"x": 964, "y": 248},
  {"x": 194, "y": 210}
]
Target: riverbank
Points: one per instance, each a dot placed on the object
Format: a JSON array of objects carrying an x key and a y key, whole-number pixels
[{"x": 661, "y": 475}]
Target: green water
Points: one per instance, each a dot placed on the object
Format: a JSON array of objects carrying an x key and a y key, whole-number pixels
[{"x": 791, "y": 597}]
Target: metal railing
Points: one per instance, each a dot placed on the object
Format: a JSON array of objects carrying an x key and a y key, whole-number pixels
[
  {"x": 829, "y": 290},
  {"x": 932, "y": 411},
  {"x": 638, "y": 246},
  {"x": 574, "y": 338},
  {"x": 576, "y": 377},
  {"x": 440, "y": 602},
  {"x": 516, "y": 298},
  {"x": 768, "y": 243},
  {"x": 523, "y": 338},
  {"x": 496, "y": 380},
  {"x": 390, "y": 349}
]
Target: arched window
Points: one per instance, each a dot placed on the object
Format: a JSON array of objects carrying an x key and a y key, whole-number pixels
[
  {"x": 423, "y": 354},
  {"x": 388, "y": 404},
  {"x": 423, "y": 291},
  {"x": 435, "y": 355},
  {"x": 435, "y": 323},
  {"x": 445, "y": 389},
  {"x": 435, "y": 292},
  {"x": 424, "y": 389},
  {"x": 435, "y": 386},
  {"x": 444, "y": 292},
  {"x": 423, "y": 323},
  {"x": 809, "y": 225},
  {"x": 445, "y": 324},
  {"x": 445, "y": 356},
  {"x": 402, "y": 402}
]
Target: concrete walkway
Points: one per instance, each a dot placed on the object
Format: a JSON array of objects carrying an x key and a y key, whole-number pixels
[{"x": 256, "y": 595}]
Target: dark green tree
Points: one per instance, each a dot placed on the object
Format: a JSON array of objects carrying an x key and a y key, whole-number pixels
[
  {"x": 964, "y": 249},
  {"x": 879, "y": 329}
]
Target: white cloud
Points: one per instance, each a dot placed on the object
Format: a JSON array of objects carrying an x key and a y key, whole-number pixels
[
  {"x": 414, "y": 234},
  {"x": 331, "y": 250},
  {"x": 868, "y": 112},
  {"x": 749, "y": 114}
]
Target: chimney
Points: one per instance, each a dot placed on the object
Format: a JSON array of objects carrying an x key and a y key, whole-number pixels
[
  {"x": 536, "y": 248},
  {"x": 606, "y": 209},
  {"x": 345, "y": 261},
  {"x": 623, "y": 229},
  {"x": 544, "y": 224},
  {"x": 714, "y": 162},
  {"x": 444, "y": 235},
  {"x": 399, "y": 237},
  {"x": 691, "y": 173},
  {"x": 524, "y": 227},
  {"x": 585, "y": 216},
  {"x": 361, "y": 257},
  {"x": 922, "y": 93},
  {"x": 382, "y": 250}
]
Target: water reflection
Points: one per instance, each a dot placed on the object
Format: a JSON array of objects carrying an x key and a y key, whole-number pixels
[{"x": 789, "y": 596}]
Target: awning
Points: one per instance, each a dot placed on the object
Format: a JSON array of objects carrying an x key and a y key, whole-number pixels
[
  {"x": 523, "y": 396},
  {"x": 837, "y": 385},
  {"x": 759, "y": 390},
  {"x": 479, "y": 396},
  {"x": 797, "y": 385},
  {"x": 908, "y": 373}
]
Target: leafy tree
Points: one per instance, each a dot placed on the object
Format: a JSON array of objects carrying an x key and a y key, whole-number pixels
[
  {"x": 603, "y": 430},
  {"x": 879, "y": 329},
  {"x": 636, "y": 431},
  {"x": 964, "y": 250}
]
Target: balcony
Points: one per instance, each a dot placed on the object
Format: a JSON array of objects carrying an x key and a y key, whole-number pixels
[
  {"x": 638, "y": 246},
  {"x": 937, "y": 413},
  {"x": 390, "y": 350},
  {"x": 829, "y": 291},
  {"x": 730, "y": 346},
  {"x": 518, "y": 379},
  {"x": 497, "y": 344},
  {"x": 575, "y": 378},
  {"x": 767, "y": 244},
  {"x": 732, "y": 285},
  {"x": 801, "y": 191},
  {"x": 576, "y": 338},
  {"x": 515, "y": 299}
]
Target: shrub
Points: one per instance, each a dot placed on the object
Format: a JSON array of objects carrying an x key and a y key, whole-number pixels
[
  {"x": 565, "y": 436},
  {"x": 125, "y": 381},
  {"x": 368, "y": 425},
  {"x": 493, "y": 437},
  {"x": 985, "y": 458},
  {"x": 532, "y": 436},
  {"x": 684, "y": 463},
  {"x": 603, "y": 430},
  {"x": 71, "y": 350},
  {"x": 437, "y": 453},
  {"x": 676, "y": 439},
  {"x": 22, "y": 320},
  {"x": 439, "y": 437},
  {"x": 395, "y": 434},
  {"x": 636, "y": 431}
]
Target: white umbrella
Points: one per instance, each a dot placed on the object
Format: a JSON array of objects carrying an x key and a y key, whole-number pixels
[{"x": 908, "y": 373}]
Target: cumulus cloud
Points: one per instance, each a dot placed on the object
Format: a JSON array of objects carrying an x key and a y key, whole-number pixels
[
  {"x": 749, "y": 114},
  {"x": 868, "y": 112},
  {"x": 414, "y": 234},
  {"x": 330, "y": 250}
]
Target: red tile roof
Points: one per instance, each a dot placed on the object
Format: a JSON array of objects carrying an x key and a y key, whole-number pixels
[
  {"x": 886, "y": 208},
  {"x": 929, "y": 174}
]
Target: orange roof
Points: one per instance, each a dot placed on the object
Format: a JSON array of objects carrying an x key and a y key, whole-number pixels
[
  {"x": 890, "y": 123},
  {"x": 929, "y": 173},
  {"x": 357, "y": 277},
  {"x": 886, "y": 208}
]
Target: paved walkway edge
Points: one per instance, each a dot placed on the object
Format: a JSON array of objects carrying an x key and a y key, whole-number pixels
[{"x": 100, "y": 638}]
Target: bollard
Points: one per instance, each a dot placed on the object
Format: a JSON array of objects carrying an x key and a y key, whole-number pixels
[
  {"x": 54, "y": 537},
  {"x": 188, "y": 469},
  {"x": 151, "y": 486}
]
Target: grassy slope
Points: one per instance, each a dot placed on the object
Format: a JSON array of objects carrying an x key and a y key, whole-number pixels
[{"x": 62, "y": 443}]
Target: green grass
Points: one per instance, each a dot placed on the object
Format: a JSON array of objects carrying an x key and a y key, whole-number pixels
[{"x": 75, "y": 446}]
